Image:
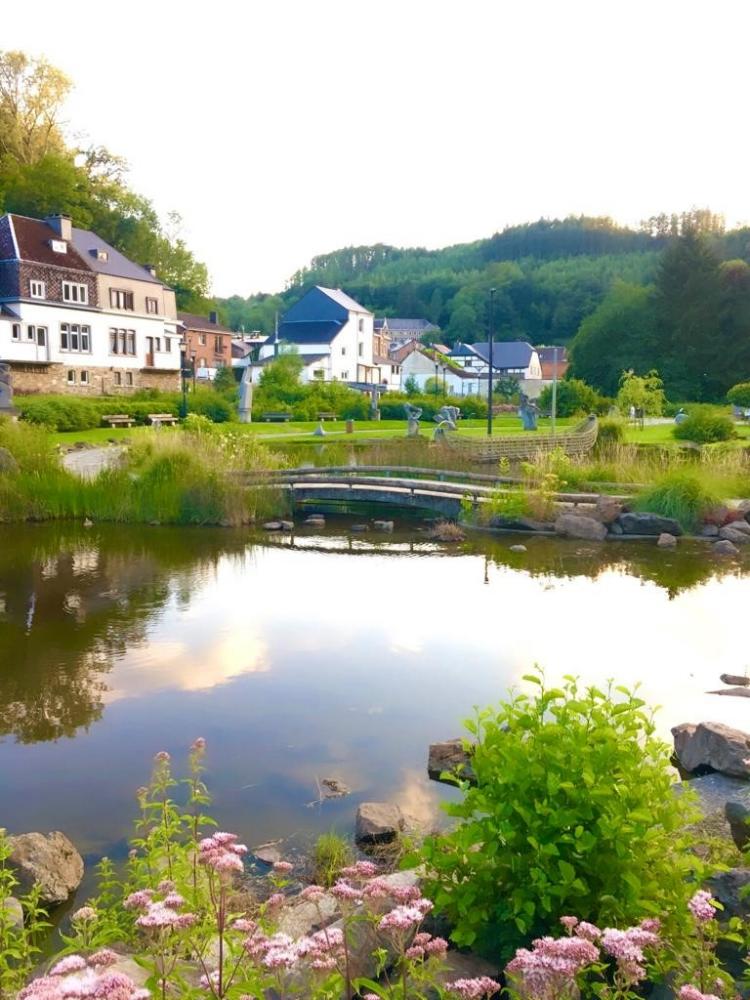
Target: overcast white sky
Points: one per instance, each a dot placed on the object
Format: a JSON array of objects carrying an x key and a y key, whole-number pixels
[{"x": 286, "y": 128}]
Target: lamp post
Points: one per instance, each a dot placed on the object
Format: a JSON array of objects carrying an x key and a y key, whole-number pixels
[
  {"x": 437, "y": 383},
  {"x": 554, "y": 390},
  {"x": 489, "y": 387},
  {"x": 183, "y": 363},
  {"x": 192, "y": 361},
  {"x": 444, "y": 389}
]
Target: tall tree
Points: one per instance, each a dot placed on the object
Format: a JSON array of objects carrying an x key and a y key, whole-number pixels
[{"x": 32, "y": 93}]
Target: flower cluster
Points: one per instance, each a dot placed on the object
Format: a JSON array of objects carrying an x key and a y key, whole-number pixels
[
  {"x": 426, "y": 946},
  {"x": 160, "y": 913},
  {"x": 75, "y": 978},
  {"x": 549, "y": 970},
  {"x": 702, "y": 907},
  {"x": 279, "y": 952},
  {"x": 221, "y": 852},
  {"x": 406, "y": 917},
  {"x": 692, "y": 993},
  {"x": 473, "y": 989},
  {"x": 626, "y": 947}
]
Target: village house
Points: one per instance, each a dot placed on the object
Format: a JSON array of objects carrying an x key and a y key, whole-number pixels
[
  {"x": 333, "y": 335},
  {"x": 207, "y": 344},
  {"x": 433, "y": 365},
  {"x": 77, "y": 316},
  {"x": 401, "y": 331},
  {"x": 510, "y": 358},
  {"x": 554, "y": 362}
]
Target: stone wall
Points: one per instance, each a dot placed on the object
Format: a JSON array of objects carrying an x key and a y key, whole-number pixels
[{"x": 53, "y": 378}]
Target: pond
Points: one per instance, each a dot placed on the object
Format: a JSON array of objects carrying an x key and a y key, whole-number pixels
[{"x": 325, "y": 655}]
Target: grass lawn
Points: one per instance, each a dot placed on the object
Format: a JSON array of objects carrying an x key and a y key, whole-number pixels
[{"x": 661, "y": 434}]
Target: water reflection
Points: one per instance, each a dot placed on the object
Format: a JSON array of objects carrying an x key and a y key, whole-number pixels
[{"x": 322, "y": 655}]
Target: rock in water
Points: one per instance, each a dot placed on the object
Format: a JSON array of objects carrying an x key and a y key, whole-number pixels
[
  {"x": 633, "y": 523},
  {"x": 578, "y": 526},
  {"x": 712, "y": 745},
  {"x": 732, "y": 533},
  {"x": 383, "y": 525},
  {"x": 724, "y": 548},
  {"x": 450, "y": 756},
  {"x": 518, "y": 548},
  {"x": 666, "y": 541},
  {"x": 378, "y": 823},
  {"x": 49, "y": 860},
  {"x": 738, "y": 816},
  {"x": 607, "y": 509},
  {"x": 272, "y": 526}
]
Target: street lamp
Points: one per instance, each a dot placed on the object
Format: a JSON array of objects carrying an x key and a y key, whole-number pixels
[
  {"x": 554, "y": 390},
  {"x": 489, "y": 387},
  {"x": 192, "y": 360},
  {"x": 183, "y": 363},
  {"x": 437, "y": 383}
]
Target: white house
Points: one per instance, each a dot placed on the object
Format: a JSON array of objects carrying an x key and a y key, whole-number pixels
[
  {"x": 422, "y": 364},
  {"x": 333, "y": 335},
  {"x": 78, "y": 316},
  {"x": 514, "y": 358}
]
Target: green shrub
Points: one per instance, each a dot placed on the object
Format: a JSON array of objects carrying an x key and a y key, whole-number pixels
[
  {"x": 680, "y": 495},
  {"x": 611, "y": 431},
  {"x": 739, "y": 395},
  {"x": 212, "y": 405},
  {"x": 330, "y": 854},
  {"x": 61, "y": 413},
  {"x": 705, "y": 425},
  {"x": 573, "y": 812},
  {"x": 573, "y": 396}
]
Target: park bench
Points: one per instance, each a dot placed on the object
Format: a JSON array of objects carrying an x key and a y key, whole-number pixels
[
  {"x": 118, "y": 419},
  {"x": 326, "y": 416},
  {"x": 163, "y": 418},
  {"x": 276, "y": 416}
]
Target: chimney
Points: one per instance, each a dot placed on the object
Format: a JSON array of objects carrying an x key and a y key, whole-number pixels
[
  {"x": 213, "y": 317},
  {"x": 151, "y": 269},
  {"x": 62, "y": 226}
]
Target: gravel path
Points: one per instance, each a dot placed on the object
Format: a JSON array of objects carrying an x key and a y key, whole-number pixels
[{"x": 89, "y": 462}]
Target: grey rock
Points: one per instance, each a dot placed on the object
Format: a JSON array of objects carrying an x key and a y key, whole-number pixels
[
  {"x": 287, "y": 525},
  {"x": 518, "y": 548},
  {"x": 383, "y": 525},
  {"x": 8, "y": 464},
  {"x": 450, "y": 756},
  {"x": 733, "y": 692},
  {"x": 607, "y": 509},
  {"x": 579, "y": 526},
  {"x": 729, "y": 889},
  {"x": 740, "y": 680},
  {"x": 519, "y": 524},
  {"x": 712, "y": 745},
  {"x": 635, "y": 523},
  {"x": 378, "y": 823},
  {"x": 615, "y": 528},
  {"x": 316, "y": 520},
  {"x": 730, "y": 533},
  {"x": 710, "y": 531},
  {"x": 741, "y": 525},
  {"x": 466, "y": 965},
  {"x": 49, "y": 860},
  {"x": 724, "y": 548},
  {"x": 269, "y": 854},
  {"x": 299, "y": 917},
  {"x": 272, "y": 526},
  {"x": 666, "y": 541},
  {"x": 13, "y": 908},
  {"x": 714, "y": 791},
  {"x": 737, "y": 815},
  {"x": 334, "y": 789}
]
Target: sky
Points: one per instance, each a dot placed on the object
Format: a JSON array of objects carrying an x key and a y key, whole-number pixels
[{"x": 287, "y": 128}]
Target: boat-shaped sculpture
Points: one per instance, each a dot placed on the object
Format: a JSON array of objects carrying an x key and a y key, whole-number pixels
[{"x": 522, "y": 447}]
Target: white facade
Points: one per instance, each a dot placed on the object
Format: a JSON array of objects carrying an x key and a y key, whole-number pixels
[
  {"x": 346, "y": 358},
  {"x": 421, "y": 367}
]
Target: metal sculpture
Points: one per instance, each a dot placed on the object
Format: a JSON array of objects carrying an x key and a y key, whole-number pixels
[
  {"x": 447, "y": 420},
  {"x": 413, "y": 413},
  {"x": 528, "y": 411}
]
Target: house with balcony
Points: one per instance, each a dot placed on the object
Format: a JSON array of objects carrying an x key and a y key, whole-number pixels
[
  {"x": 333, "y": 335},
  {"x": 78, "y": 316},
  {"x": 207, "y": 344}
]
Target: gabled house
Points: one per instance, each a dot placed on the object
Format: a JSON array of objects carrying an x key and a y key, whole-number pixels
[
  {"x": 206, "y": 343},
  {"x": 333, "y": 335},
  {"x": 401, "y": 331},
  {"x": 78, "y": 316},
  {"x": 509, "y": 357}
]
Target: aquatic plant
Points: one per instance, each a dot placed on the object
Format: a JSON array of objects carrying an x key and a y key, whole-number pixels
[
  {"x": 331, "y": 853},
  {"x": 679, "y": 495}
]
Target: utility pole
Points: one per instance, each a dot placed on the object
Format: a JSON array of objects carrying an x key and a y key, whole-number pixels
[
  {"x": 489, "y": 387},
  {"x": 554, "y": 390}
]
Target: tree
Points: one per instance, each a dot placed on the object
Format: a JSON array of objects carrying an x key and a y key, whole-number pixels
[
  {"x": 643, "y": 392},
  {"x": 32, "y": 93},
  {"x": 573, "y": 396},
  {"x": 280, "y": 378},
  {"x": 411, "y": 386}
]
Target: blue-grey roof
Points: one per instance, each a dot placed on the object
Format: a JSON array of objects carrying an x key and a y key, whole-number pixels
[
  {"x": 322, "y": 305},
  {"x": 505, "y": 353},
  {"x": 310, "y": 332},
  {"x": 397, "y": 325},
  {"x": 116, "y": 264}
]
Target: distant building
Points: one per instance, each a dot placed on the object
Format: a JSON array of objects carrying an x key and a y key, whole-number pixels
[
  {"x": 554, "y": 362},
  {"x": 206, "y": 343},
  {"x": 78, "y": 316},
  {"x": 513, "y": 358},
  {"x": 401, "y": 331}
]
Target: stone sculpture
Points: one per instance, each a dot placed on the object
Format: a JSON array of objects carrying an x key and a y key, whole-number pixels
[
  {"x": 245, "y": 406},
  {"x": 528, "y": 411},
  {"x": 413, "y": 413},
  {"x": 6, "y": 391},
  {"x": 447, "y": 420}
]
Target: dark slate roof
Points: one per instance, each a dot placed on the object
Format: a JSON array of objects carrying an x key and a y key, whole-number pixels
[
  {"x": 116, "y": 264},
  {"x": 33, "y": 239},
  {"x": 322, "y": 305},
  {"x": 505, "y": 353},
  {"x": 400, "y": 326},
  {"x": 310, "y": 332},
  {"x": 201, "y": 323}
]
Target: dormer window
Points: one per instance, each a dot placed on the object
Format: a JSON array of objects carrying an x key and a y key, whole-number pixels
[
  {"x": 99, "y": 254},
  {"x": 59, "y": 246}
]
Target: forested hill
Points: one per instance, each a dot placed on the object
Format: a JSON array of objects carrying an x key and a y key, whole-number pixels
[{"x": 549, "y": 276}]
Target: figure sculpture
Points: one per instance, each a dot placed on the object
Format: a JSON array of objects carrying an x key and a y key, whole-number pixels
[
  {"x": 447, "y": 420},
  {"x": 413, "y": 413},
  {"x": 6, "y": 390},
  {"x": 245, "y": 405},
  {"x": 528, "y": 411}
]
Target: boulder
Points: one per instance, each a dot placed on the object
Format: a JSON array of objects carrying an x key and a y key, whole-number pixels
[
  {"x": 739, "y": 524},
  {"x": 666, "y": 541},
  {"x": 714, "y": 746},
  {"x": 607, "y": 509},
  {"x": 635, "y": 523},
  {"x": 738, "y": 815},
  {"x": 8, "y": 464},
  {"x": 517, "y": 548},
  {"x": 269, "y": 854},
  {"x": 14, "y": 911},
  {"x": 49, "y": 860},
  {"x": 724, "y": 548},
  {"x": 359, "y": 528},
  {"x": 730, "y": 889},
  {"x": 316, "y": 520},
  {"x": 378, "y": 823},
  {"x": 732, "y": 692},
  {"x": 710, "y": 531},
  {"x": 287, "y": 525},
  {"x": 715, "y": 791},
  {"x": 334, "y": 789},
  {"x": 300, "y": 917},
  {"x": 519, "y": 524},
  {"x": 580, "y": 526},
  {"x": 735, "y": 535},
  {"x": 615, "y": 528},
  {"x": 466, "y": 965},
  {"x": 450, "y": 756}
]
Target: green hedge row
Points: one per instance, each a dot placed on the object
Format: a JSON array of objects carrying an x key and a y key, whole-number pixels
[{"x": 77, "y": 413}]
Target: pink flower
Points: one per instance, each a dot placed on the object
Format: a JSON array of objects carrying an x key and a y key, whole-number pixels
[
  {"x": 71, "y": 963},
  {"x": 277, "y": 899},
  {"x": 313, "y": 893},
  {"x": 162, "y": 756},
  {"x": 283, "y": 867},
  {"x": 103, "y": 957},
  {"x": 587, "y": 931},
  {"x": 138, "y": 900},
  {"x": 174, "y": 899},
  {"x": 627, "y": 948},
  {"x": 221, "y": 852},
  {"x": 343, "y": 891},
  {"x": 244, "y": 925},
  {"x": 362, "y": 869},
  {"x": 692, "y": 993},
  {"x": 473, "y": 989},
  {"x": 701, "y": 906},
  {"x": 569, "y": 923},
  {"x": 198, "y": 744},
  {"x": 403, "y": 918},
  {"x": 549, "y": 970},
  {"x": 652, "y": 924},
  {"x": 84, "y": 915}
]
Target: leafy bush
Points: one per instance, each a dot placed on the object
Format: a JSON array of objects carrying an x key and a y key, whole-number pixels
[
  {"x": 739, "y": 395},
  {"x": 680, "y": 495},
  {"x": 573, "y": 396},
  {"x": 61, "y": 413},
  {"x": 611, "y": 431},
  {"x": 573, "y": 811},
  {"x": 212, "y": 405},
  {"x": 705, "y": 425}
]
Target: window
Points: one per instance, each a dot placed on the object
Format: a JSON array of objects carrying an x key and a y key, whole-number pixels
[
  {"x": 34, "y": 334},
  {"x": 218, "y": 345},
  {"x": 75, "y": 293},
  {"x": 319, "y": 373},
  {"x": 202, "y": 339},
  {"x": 128, "y": 378},
  {"x": 168, "y": 345},
  {"x": 71, "y": 378},
  {"x": 202, "y": 363},
  {"x": 361, "y": 326},
  {"x": 360, "y": 349},
  {"x": 343, "y": 351},
  {"x": 41, "y": 336},
  {"x": 74, "y": 337},
  {"x": 345, "y": 376},
  {"x": 157, "y": 344},
  {"x": 31, "y": 333},
  {"x": 59, "y": 246},
  {"x": 15, "y": 332},
  {"x": 121, "y": 299},
  {"x": 122, "y": 341},
  {"x": 84, "y": 378},
  {"x": 37, "y": 290},
  {"x": 152, "y": 306},
  {"x": 118, "y": 378}
]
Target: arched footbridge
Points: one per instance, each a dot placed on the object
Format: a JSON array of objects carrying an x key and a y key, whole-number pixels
[{"x": 438, "y": 491}]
